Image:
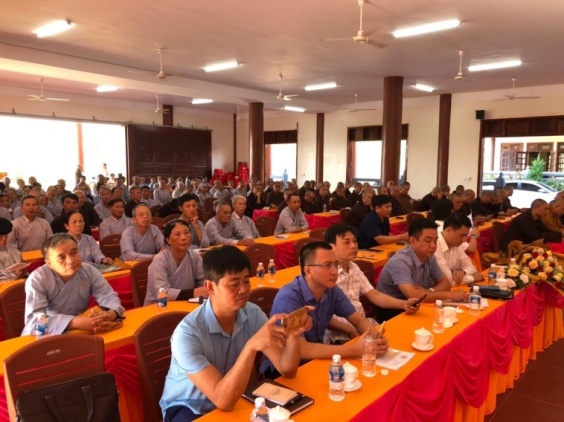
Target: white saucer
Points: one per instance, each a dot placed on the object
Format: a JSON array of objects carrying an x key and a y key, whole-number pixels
[
  {"x": 427, "y": 348},
  {"x": 454, "y": 321},
  {"x": 356, "y": 386}
]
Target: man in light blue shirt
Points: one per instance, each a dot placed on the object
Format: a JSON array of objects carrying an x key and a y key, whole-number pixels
[
  {"x": 292, "y": 219},
  {"x": 214, "y": 347}
]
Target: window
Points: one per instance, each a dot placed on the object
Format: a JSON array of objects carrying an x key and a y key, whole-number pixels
[{"x": 280, "y": 155}]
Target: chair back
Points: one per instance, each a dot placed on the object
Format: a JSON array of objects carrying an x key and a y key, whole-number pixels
[
  {"x": 344, "y": 215},
  {"x": 208, "y": 205},
  {"x": 430, "y": 216},
  {"x": 263, "y": 297},
  {"x": 139, "y": 276},
  {"x": 259, "y": 252},
  {"x": 170, "y": 218},
  {"x": 158, "y": 221},
  {"x": 35, "y": 264},
  {"x": 499, "y": 236},
  {"x": 411, "y": 217},
  {"x": 155, "y": 209},
  {"x": 298, "y": 245},
  {"x": 152, "y": 348},
  {"x": 367, "y": 268},
  {"x": 109, "y": 245},
  {"x": 49, "y": 361},
  {"x": 12, "y": 310},
  {"x": 265, "y": 225},
  {"x": 318, "y": 234}
]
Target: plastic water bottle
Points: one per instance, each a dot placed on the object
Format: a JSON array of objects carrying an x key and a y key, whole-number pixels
[
  {"x": 513, "y": 263},
  {"x": 162, "y": 301},
  {"x": 336, "y": 379},
  {"x": 475, "y": 301},
  {"x": 260, "y": 412},
  {"x": 369, "y": 357},
  {"x": 324, "y": 207},
  {"x": 492, "y": 274},
  {"x": 260, "y": 270},
  {"x": 42, "y": 326},
  {"x": 438, "y": 318},
  {"x": 272, "y": 271}
]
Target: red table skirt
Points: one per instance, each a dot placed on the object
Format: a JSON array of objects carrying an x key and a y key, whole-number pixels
[
  {"x": 265, "y": 213},
  {"x": 322, "y": 221},
  {"x": 398, "y": 228},
  {"x": 460, "y": 373}
]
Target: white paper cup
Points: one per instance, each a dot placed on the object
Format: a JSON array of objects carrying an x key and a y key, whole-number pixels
[
  {"x": 278, "y": 414},
  {"x": 449, "y": 314},
  {"x": 351, "y": 374},
  {"x": 423, "y": 337}
]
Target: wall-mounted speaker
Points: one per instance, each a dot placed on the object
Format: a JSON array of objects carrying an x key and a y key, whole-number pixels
[{"x": 480, "y": 114}]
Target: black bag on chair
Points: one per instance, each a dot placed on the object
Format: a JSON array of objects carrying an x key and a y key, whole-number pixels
[{"x": 89, "y": 399}]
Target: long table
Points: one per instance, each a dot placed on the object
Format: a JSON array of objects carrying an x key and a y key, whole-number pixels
[{"x": 473, "y": 361}]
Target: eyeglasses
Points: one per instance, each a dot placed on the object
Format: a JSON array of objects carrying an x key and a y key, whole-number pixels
[{"x": 327, "y": 265}]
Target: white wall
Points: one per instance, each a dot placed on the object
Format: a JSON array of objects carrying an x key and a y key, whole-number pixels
[{"x": 421, "y": 114}]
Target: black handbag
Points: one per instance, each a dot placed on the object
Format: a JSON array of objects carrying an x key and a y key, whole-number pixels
[{"x": 89, "y": 399}]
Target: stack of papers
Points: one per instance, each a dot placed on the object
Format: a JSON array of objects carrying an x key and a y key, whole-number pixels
[
  {"x": 275, "y": 393},
  {"x": 394, "y": 359}
]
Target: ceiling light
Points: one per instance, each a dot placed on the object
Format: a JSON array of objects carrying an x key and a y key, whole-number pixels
[
  {"x": 201, "y": 101},
  {"x": 317, "y": 87},
  {"x": 107, "y": 88},
  {"x": 425, "y": 29},
  {"x": 423, "y": 87},
  {"x": 53, "y": 28},
  {"x": 291, "y": 108},
  {"x": 498, "y": 65},
  {"x": 221, "y": 66}
]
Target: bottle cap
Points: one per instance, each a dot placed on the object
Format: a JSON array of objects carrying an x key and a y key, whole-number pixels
[
  {"x": 259, "y": 402},
  {"x": 476, "y": 288},
  {"x": 272, "y": 260},
  {"x": 336, "y": 358},
  {"x": 439, "y": 302},
  {"x": 260, "y": 263}
]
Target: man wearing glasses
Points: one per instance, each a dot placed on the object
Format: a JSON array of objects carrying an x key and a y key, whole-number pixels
[{"x": 317, "y": 286}]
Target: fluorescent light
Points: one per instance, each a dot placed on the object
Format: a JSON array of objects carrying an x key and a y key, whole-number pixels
[
  {"x": 497, "y": 65},
  {"x": 221, "y": 66},
  {"x": 201, "y": 101},
  {"x": 425, "y": 29},
  {"x": 317, "y": 87},
  {"x": 53, "y": 28},
  {"x": 107, "y": 88},
  {"x": 291, "y": 108},
  {"x": 423, "y": 87}
]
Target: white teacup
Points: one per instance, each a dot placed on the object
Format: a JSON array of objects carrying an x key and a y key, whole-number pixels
[
  {"x": 279, "y": 414},
  {"x": 351, "y": 374},
  {"x": 449, "y": 315},
  {"x": 501, "y": 283},
  {"x": 423, "y": 337}
]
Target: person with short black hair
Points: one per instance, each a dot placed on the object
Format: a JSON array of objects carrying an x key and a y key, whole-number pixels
[
  {"x": 117, "y": 222},
  {"x": 87, "y": 246},
  {"x": 291, "y": 219},
  {"x": 29, "y": 231},
  {"x": 375, "y": 228},
  {"x": 9, "y": 255},
  {"x": 222, "y": 230},
  {"x": 62, "y": 288},
  {"x": 135, "y": 197},
  {"x": 142, "y": 240},
  {"x": 214, "y": 347},
  {"x": 188, "y": 206},
  {"x": 414, "y": 271}
]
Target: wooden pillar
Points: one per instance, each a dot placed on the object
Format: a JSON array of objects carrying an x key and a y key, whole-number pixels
[
  {"x": 319, "y": 142},
  {"x": 80, "y": 146},
  {"x": 256, "y": 139},
  {"x": 444, "y": 139},
  {"x": 391, "y": 128},
  {"x": 235, "y": 117}
]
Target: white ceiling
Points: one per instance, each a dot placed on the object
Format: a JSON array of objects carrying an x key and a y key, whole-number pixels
[{"x": 115, "y": 42}]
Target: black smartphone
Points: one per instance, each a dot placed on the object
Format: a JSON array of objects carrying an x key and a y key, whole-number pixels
[{"x": 421, "y": 299}]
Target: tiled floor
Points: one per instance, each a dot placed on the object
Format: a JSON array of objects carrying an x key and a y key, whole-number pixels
[{"x": 538, "y": 394}]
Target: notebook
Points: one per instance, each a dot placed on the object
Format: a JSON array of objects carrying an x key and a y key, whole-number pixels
[{"x": 296, "y": 403}]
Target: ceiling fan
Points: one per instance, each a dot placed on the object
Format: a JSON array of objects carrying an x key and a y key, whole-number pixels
[
  {"x": 361, "y": 37},
  {"x": 281, "y": 96},
  {"x": 161, "y": 74},
  {"x": 42, "y": 97},
  {"x": 513, "y": 96},
  {"x": 159, "y": 109},
  {"x": 460, "y": 75},
  {"x": 356, "y": 109}
]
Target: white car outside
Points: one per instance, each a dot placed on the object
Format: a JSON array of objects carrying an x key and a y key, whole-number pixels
[{"x": 526, "y": 191}]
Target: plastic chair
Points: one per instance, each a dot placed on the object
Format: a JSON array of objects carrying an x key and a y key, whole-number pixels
[
  {"x": 263, "y": 297},
  {"x": 259, "y": 252},
  {"x": 109, "y": 245},
  {"x": 208, "y": 205},
  {"x": 318, "y": 234},
  {"x": 203, "y": 216},
  {"x": 49, "y": 361},
  {"x": 12, "y": 310},
  {"x": 298, "y": 245},
  {"x": 155, "y": 210},
  {"x": 139, "y": 276},
  {"x": 265, "y": 225},
  {"x": 158, "y": 221},
  {"x": 368, "y": 269},
  {"x": 344, "y": 215},
  {"x": 152, "y": 348},
  {"x": 170, "y": 218}
]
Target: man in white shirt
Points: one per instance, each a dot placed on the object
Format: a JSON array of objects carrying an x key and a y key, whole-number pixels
[
  {"x": 292, "y": 219},
  {"x": 222, "y": 230},
  {"x": 29, "y": 231},
  {"x": 244, "y": 222},
  {"x": 452, "y": 260},
  {"x": 162, "y": 194}
]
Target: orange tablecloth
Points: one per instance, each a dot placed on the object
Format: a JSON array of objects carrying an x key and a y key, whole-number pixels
[{"x": 283, "y": 248}]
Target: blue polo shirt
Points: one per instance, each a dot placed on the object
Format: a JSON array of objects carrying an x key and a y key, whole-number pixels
[
  {"x": 372, "y": 225},
  {"x": 297, "y": 294},
  {"x": 198, "y": 342}
]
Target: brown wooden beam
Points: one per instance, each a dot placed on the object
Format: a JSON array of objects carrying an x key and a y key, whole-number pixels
[
  {"x": 391, "y": 128},
  {"x": 444, "y": 138},
  {"x": 256, "y": 139}
]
